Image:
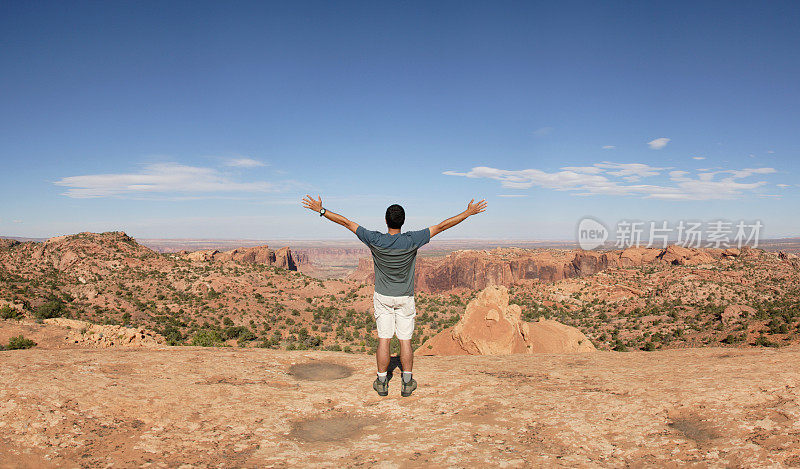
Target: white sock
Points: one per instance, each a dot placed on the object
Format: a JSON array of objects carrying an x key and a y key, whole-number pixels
[
  {"x": 382, "y": 376},
  {"x": 407, "y": 376}
]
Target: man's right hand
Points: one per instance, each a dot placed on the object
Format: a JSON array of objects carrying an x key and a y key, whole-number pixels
[
  {"x": 476, "y": 208},
  {"x": 311, "y": 204}
]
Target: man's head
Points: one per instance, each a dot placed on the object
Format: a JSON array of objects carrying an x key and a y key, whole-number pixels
[{"x": 395, "y": 216}]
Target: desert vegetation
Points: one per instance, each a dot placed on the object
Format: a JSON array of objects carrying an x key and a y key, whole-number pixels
[{"x": 110, "y": 279}]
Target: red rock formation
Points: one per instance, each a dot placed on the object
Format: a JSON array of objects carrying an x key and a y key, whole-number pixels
[
  {"x": 88, "y": 252},
  {"x": 254, "y": 255},
  {"x": 490, "y": 326},
  {"x": 8, "y": 243},
  {"x": 731, "y": 252},
  {"x": 733, "y": 313},
  {"x": 476, "y": 270},
  {"x": 679, "y": 255},
  {"x": 329, "y": 255},
  {"x": 283, "y": 258}
]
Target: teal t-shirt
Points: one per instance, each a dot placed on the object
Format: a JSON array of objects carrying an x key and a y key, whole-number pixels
[{"x": 394, "y": 257}]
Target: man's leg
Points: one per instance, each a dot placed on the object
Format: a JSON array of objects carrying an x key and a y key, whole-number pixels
[
  {"x": 382, "y": 355},
  {"x": 384, "y": 322},
  {"x": 404, "y": 326},
  {"x": 406, "y": 355}
]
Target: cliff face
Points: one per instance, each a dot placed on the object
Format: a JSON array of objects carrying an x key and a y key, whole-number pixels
[
  {"x": 477, "y": 270},
  {"x": 328, "y": 262},
  {"x": 255, "y": 255},
  {"x": 329, "y": 255},
  {"x": 283, "y": 258}
]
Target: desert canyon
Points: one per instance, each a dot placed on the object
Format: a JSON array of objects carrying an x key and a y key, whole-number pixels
[{"x": 255, "y": 356}]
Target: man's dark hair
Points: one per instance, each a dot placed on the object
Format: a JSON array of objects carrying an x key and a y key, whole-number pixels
[{"x": 395, "y": 216}]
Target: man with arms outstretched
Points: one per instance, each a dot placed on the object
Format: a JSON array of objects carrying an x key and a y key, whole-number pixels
[{"x": 394, "y": 255}]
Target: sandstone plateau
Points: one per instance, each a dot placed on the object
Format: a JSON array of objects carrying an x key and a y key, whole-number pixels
[
  {"x": 491, "y": 326},
  {"x": 709, "y": 407}
]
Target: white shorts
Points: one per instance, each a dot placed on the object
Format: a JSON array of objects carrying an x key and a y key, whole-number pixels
[{"x": 394, "y": 315}]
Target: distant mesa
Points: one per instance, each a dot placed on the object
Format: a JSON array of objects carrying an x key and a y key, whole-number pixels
[
  {"x": 253, "y": 255},
  {"x": 476, "y": 270},
  {"x": 491, "y": 326}
]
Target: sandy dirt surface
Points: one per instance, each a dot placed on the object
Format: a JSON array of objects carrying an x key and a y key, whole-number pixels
[{"x": 263, "y": 408}]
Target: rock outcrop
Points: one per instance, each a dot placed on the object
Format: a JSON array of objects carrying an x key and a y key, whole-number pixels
[
  {"x": 87, "y": 254},
  {"x": 733, "y": 313},
  {"x": 491, "y": 326},
  {"x": 253, "y": 255},
  {"x": 679, "y": 255},
  {"x": 283, "y": 258},
  {"x": 6, "y": 243},
  {"x": 99, "y": 335}
]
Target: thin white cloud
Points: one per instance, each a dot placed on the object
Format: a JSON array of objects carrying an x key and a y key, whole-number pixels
[
  {"x": 609, "y": 147},
  {"x": 658, "y": 143},
  {"x": 630, "y": 172},
  {"x": 162, "y": 178},
  {"x": 584, "y": 169},
  {"x": 608, "y": 178},
  {"x": 542, "y": 131},
  {"x": 244, "y": 163},
  {"x": 512, "y": 195},
  {"x": 770, "y": 151},
  {"x": 698, "y": 158},
  {"x": 783, "y": 186}
]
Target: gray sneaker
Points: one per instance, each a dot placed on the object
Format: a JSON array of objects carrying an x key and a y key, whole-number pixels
[
  {"x": 408, "y": 387},
  {"x": 381, "y": 387}
]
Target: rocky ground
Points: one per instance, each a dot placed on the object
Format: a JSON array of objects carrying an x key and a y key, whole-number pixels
[{"x": 229, "y": 407}]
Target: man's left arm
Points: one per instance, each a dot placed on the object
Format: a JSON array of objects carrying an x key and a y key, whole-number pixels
[{"x": 316, "y": 206}]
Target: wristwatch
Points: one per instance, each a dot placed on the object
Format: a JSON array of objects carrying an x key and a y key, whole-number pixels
[{"x": 322, "y": 211}]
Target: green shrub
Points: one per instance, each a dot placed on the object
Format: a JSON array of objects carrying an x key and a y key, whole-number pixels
[
  {"x": 764, "y": 342},
  {"x": 619, "y": 346},
  {"x": 54, "y": 308},
  {"x": 19, "y": 342},
  {"x": 206, "y": 338},
  {"x": 733, "y": 339},
  {"x": 239, "y": 332},
  {"x": 7, "y": 312},
  {"x": 172, "y": 334}
]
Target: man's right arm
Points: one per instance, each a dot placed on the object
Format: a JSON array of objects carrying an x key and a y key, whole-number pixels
[{"x": 472, "y": 209}]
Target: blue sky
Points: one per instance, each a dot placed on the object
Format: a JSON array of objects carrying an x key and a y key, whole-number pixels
[{"x": 171, "y": 119}]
